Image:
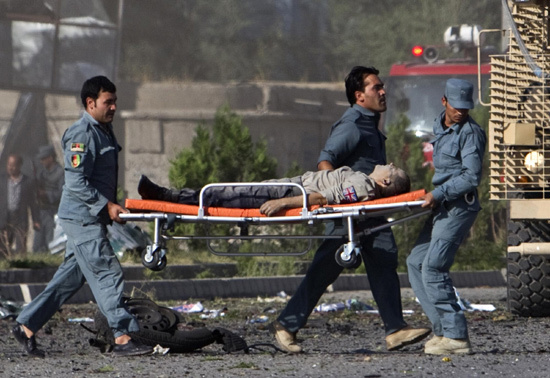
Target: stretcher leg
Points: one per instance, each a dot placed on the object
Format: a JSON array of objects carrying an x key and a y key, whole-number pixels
[
  {"x": 154, "y": 256},
  {"x": 349, "y": 255}
]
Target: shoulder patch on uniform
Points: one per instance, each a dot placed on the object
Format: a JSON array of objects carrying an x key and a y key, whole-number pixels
[
  {"x": 78, "y": 147},
  {"x": 350, "y": 194},
  {"x": 75, "y": 160}
]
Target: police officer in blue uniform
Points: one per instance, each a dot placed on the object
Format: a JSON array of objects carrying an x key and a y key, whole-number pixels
[
  {"x": 88, "y": 204},
  {"x": 459, "y": 145},
  {"x": 354, "y": 141}
]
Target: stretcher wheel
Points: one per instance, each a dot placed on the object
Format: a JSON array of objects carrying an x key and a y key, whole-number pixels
[
  {"x": 161, "y": 265},
  {"x": 153, "y": 261},
  {"x": 353, "y": 262}
]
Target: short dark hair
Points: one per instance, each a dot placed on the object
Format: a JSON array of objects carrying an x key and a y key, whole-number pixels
[
  {"x": 401, "y": 183},
  {"x": 355, "y": 81},
  {"x": 92, "y": 87},
  {"x": 18, "y": 158}
]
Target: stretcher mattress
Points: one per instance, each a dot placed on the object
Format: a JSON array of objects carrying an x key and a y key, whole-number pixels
[{"x": 139, "y": 205}]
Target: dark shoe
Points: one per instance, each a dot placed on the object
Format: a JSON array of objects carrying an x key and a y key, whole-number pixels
[
  {"x": 29, "y": 343},
  {"x": 231, "y": 342},
  {"x": 149, "y": 190},
  {"x": 132, "y": 348},
  {"x": 406, "y": 336}
]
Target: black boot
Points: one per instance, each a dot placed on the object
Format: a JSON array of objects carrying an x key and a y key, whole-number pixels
[{"x": 149, "y": 190}]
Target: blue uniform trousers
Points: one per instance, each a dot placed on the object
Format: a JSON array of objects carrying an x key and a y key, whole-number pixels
[
  {"x": 88, "y": 257},
  {"x": 429, "y": 264},
  {"x": 379, "y": 253}
]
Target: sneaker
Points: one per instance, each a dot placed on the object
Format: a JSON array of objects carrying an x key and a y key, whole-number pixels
[
  {"x": 285, "y": 338},
  {"x": 406, "y": 336},
  {"x": 449, "y": 346},
  {"x": 29, "y": 343},
  {"x": 132, "y": 348},
  {"x": 431, "y": 342}
]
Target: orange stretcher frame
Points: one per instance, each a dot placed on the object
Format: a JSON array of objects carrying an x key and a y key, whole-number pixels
[
  {"x": 166, "y": 214},
  {"x": 139, "y": 205}
]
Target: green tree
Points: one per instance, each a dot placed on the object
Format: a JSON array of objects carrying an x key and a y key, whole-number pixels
[
  {"x": 298, "y": 40},
  {"x": 226, "y": 155}
]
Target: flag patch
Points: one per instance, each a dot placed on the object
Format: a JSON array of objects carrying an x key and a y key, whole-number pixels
[
  {"x": 75, "y": 160},
  {"x": 78, "y": 147},
  {"x": 350, "y": 195}
]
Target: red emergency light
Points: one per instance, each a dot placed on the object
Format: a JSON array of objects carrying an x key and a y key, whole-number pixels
[{"x": 417, "y": 51}]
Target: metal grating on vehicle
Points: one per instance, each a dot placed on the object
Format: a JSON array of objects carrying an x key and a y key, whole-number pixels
[{"x": 519, "y": 125}]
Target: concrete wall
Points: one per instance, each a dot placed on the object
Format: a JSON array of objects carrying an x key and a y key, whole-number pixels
[{"x": 156, "y": 120}]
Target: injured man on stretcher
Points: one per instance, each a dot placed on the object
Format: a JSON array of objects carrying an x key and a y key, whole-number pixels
[{"x": 342, "y": 185}]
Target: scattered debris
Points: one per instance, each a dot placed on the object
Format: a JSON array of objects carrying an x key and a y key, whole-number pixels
[
  {"x": 467, "y": 306},
  {"x": 189, "y": 308},
  {"x": 324, "y": 307},
  {"x": 9, "y": 309},
  {"x": 353, "y": 305},
  {"x": 212, "y": 314},
  {"x": 270, "y": 310},
  {"x": 470, "y": 307},
  {"x": 350, "y": 304},
  {"x": 160, "y": 350},
  {"x": 81, "y": 320},
  {"x": 258, "y": 319}
]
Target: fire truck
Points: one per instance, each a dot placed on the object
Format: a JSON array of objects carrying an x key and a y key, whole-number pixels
[
  {"x": 519, "y": 149},
  {"x": 415, "y": 88}
]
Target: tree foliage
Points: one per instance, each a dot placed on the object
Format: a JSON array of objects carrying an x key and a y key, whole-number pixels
[
  {"x": 226, "y": 155},
  {"x": 296, "y": 40}
]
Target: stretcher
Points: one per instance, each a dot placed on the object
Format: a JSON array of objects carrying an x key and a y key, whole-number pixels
[{"x": 164, "y": 215}]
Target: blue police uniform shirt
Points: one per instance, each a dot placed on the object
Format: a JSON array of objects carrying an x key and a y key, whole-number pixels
[
  {"x": 458, "y": 159},
  {"x": 91, "y": 167},
  {"x": 355, "y": 141}
]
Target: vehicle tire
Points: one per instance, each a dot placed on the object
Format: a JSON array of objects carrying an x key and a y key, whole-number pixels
[
  {"x": 178, "y": 341},
  {"x": 528, "y": 275}
]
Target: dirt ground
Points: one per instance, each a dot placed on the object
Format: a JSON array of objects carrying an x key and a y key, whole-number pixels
[{"x": 343, "y": 343}]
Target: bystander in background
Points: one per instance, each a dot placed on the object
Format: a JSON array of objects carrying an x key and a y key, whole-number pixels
[
  {"x": 17, "y": 193},
  {"x": 49, "y": 183}
]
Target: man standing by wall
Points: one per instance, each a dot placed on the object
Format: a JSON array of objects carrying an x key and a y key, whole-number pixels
[
  {"x": 17, "y": 192},
  {"x": 49, "y": 185},
  {"x": 88, "y": 205},
  {"x": 354, "y": 141},
  {"x": 459, "y": 145}
]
